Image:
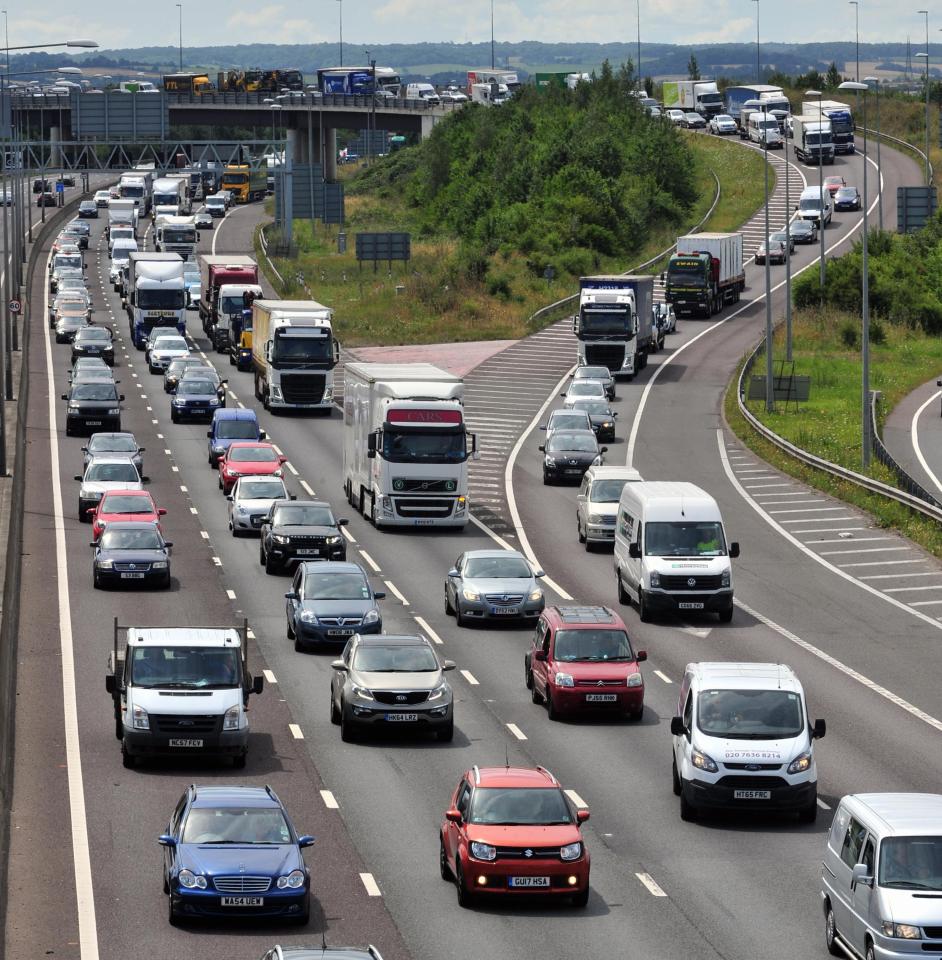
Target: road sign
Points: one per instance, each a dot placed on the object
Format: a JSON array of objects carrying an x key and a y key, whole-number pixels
[
  {"x": 60, "y": 187},
  {"x": 15, "y": 306}
]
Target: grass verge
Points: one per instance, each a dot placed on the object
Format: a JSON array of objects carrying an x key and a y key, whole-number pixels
[
  {"x": 829, "y": 424},
  {"x": 422, "y": 302}
]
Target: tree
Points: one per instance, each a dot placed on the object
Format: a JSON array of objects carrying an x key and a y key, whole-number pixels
[
  {"x": 693, "y": 70},
  {"x": 833, "y": 77}
]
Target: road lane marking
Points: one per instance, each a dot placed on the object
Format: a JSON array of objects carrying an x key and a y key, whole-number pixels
[
  {"x": 470, "y": 677},
  {"x": 183, "y": 488},
  {"x": 290, "y": 466},
  {"x": 876, "y": 563},
  {"x": 269, "y": 676},
  {"x": 653, "y": 887},
  {"x": 194, "y": 511},
  {"x": 249, "y": 633},
  {"x": 839, "y": 553},
  {"x": 663, "y": 676},
  {"x": 330, "y": 801},
  {"x": 424, "y": 625},
  {"x": 204, "y": 534},
  {"x": 231, "y": 594},
  {"x": 217, "y": 561},
  {"x": 373, "y": 564},
  {"x": 822, "y": 804},
  {"x": 371, "y": 887},
  {"x": 345, "y": 532},
  {"x": 914, "y": 433},
  {"x": 516, "y": 731},
  {"x": 576, "y": 799},
  {"x": 296, "y": 731},
  {"x": 395, "y": 592},
  {"x": 278, "y": 450},
  {"x": 307, "y": 488},
  {"x": 925, "y": 603},
  {"x": 895, "y": 576}
]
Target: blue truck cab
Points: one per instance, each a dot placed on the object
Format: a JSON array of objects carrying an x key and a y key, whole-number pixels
[{"x": 229, "y": 425}]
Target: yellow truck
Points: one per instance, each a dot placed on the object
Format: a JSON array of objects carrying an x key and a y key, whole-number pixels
[
  {"x": 245, "y": 183},
  {"x": 192, "y": 83}
]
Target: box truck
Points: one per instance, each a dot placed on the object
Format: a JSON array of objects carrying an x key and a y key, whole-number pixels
[
  {"x": 155, "y": 294},
  {"x": 215, "y": 271},
  {"x": 705, "y": 273},
  {"x": 842, "y": 121},
  {"x": 812, "y": 136},
  {"x": 699, "y": 96}
]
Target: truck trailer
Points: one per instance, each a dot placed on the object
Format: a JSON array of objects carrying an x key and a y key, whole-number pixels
[
  {"x": 155, "y": 294},
  {"x": 842, "y": 121},
  {"x": 699, "y": 96},
  {"x": 705, "y": 273},
  {"x": 406, "y": 445},
  {"x": 773, "y": 97}
]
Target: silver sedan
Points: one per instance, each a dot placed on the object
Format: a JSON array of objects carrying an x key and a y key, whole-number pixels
[{"x": 493, "y": 584}]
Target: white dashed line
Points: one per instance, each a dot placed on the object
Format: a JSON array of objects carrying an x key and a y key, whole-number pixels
[
  {"x": 194, "y": 511},
  {"x": 373, "y": 564},
  {"x": 168, "y": 452},
  {"x": 204, "y": 534},
  {"x": 249, "y": 634},
  {"x": 652, "y": 885},
  {"x": 330, "y": 801},
  {"x": 395, "y": 591},
  {"x": 576, "y": 799},
  {"x": 822, "y": 804},
  {"x": 290, "y": 466},
  {"x": 470, "y": 677},
  {"x": 183, "y": 488},
  {"x": 278, "y": 450},
  {"x": 371, "y": 888},
  {"x": 230, "y": 594},
  {"x": 175, "y": 469},
  {"x": 516, "y": 731},
  {"x": 217, "y": 561},
  {"x": 347, "y": 534},
  {"x": 307, "y": 488},
  {"x": 424, "y": 625},
  {"x": 296, "y": 731},
  {"x": 269, "y": 676},
  {"x": 663, "y": 676}
]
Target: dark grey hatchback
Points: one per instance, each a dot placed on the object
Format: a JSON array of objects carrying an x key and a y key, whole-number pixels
[
  {"x": 93, "y": 405},
  {"x": 300, "y": 530},
  {"x": 567, "y": 454}
]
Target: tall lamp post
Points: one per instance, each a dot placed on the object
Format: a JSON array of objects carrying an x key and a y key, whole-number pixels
[
  {"x": 758, "y": 68},
  {"x": 493, "y": 62},
  {"x": 341, "y": 32},
  {"x": 788, "y": 257},
  {"x": 769, "y": 384},
  {"x": 865, "y": 293},
  {"x": 180, "y": 8},
  {"x": 856, "y": 5},
  {"x": 876, "y": 82},
  {"x": 816, "y": 94},
  {"x": 926, "y": 55},
  {"x": 639, "y": 44}
]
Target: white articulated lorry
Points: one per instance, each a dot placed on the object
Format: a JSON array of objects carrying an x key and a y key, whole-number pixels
[
  {"x": 614, "y": 325},
  {"x": 176, "y": 235},
  {"x": 406, "y": 445},
  {"x": 294, "y": 354},
  {"x": 156, "y": 294}
]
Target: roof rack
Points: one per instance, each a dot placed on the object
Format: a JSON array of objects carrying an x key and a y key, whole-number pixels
[
  {"x": 544, "y": 770},
  {"x": 586, "y": 613}
]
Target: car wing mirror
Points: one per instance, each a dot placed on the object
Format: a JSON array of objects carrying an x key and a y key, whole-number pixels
[
  {"x": 262, "y": 435},
  {"x": 258, "y": 684},
  {"x": 453, "y": 815},
  {"x": 342, "y": 522},
  {"x": 166, "y": 840},
  {"x": 65, "y": 396},
  {"x": 861, "y": 875},
  {"x": 734, "y": 550},
  {"x": 339, "y": 666},
  {"x": 677, "y": 726},
  {"x": 78, "y": 477},
  {"x": 634, "y": 551},
  {"x": 448, "y": 665},
  {"x": 582, "y": 814},
  {"x": 538, "y": 574},
  {"x": 292, "y": 595},
  {"x": 542, "y": 448},
  {"x": 209, "y": 433},
  {"x": 641, "y": 656},
  {"x": 161, "y": 511},
  {"x": 819, "y": 729},
  {"x": 305, "y": 840},
  {"x": 453, "y": 572},
  {"x": 603, "y": 450},
  {"x": 540, "y": 655},
  {"x": 379, "y": 594}
]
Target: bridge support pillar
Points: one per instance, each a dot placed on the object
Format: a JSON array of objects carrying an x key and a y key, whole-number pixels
[
  {"x": 428, "y": 122},
  {"x": 55, "y": 151},
  {"x": 294, "y": 146},
  {"x": 330, "y": 154}
]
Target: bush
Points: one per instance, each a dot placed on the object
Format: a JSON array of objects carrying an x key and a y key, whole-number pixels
[
  {"x": 850, "y": 335},
  {"x": 877, "y": 332},
  {"x": 498, "y": 285}
]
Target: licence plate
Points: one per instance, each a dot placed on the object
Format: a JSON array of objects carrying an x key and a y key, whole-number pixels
[
  {"x": 689, "y": 606},
  {"x": 573, "y": 471},
  {"x": 308, "y": 553},
  {"x": 601, "y": 697},
  {"x": 752, "y": 794},
  {"x": 132, "y": 576},
  {"x": 93, "y": 423},
  {"x": 423, "y": 523},
  {"x": 402, "y": 717},
  {"x": 182, "y": 742},
  {"x": 529, "y": 881},
  {"x": 339, "y": 633},
  {"x": 505, "y": 611},
  {"x": 242, "y": 901}
]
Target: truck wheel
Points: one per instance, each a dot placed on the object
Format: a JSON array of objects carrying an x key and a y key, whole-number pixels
[
  {"x": 118, "y": 728},
  {"x": 238, "y": 761},
  {"x": 644, "y": 615},
  {"x": 623, "y": 597},
  {"x": 127, "y": 759},
  {"x": 232, "y": 362}
]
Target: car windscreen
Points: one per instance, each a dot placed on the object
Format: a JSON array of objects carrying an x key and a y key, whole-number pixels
[
  {"x": 606, "y": 491},
  {"x": 497, "y": 568},
  {"x": 592, "y": 373},
  {"x": 335, "y": 586},
  {"x": 118, "y": 444},
  {"x": 68, "y": 260},
  {"x": 228, "y": 825},
  {"x": 911, "y": 863},
  {"x": 593, "y": 408},
  {"x": 395, "y": 658},
  {"x": 237, "y": 429},
  {"x": 170, "y": 343},
  {"x": 130, "y": 539},
  {"x": 569, "y": 421},
  {"x": 196, "y": 388},
  {"x": 809, "y": 203},
  {"x": 261, "y": 490},
  {"x": 154, "y": 666},
  {"x": 685, "y": 538},
  {"x": 593, "y": 645},
  {"x": 750, "y": 714},
  {"x": 112, "y": 473},
  {"x": 571, "y": 442},
  {"x": 94, "y": 391},
  {"x": 253, "y": 454},
  {"x": 847, "y": 193},
  {"x": 93, "y": 333},
  {"x": 122, "y": 503},
  {"x": 519, "y": 806},
  {"x": 303, "y": 517},
  {"x": 586, "y": 388}
]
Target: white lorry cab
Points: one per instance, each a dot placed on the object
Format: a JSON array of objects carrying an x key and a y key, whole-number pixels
[
  {"x": 180, "y": 691},
  {"x": 671, "y": 552},
  {"x": 742, "y": 740},
  {"x": 881, "y": 876},
  {"x": 764, "y": 130}
]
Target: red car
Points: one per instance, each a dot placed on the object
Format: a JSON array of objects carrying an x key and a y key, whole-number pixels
[
  {"x": 511, "y": 831},
  {"x": 833, "y": 184},
  {"x": 248, "y": 460},
  {"x": 581, "y": 661},
  {"x": 124, "y": 505}
]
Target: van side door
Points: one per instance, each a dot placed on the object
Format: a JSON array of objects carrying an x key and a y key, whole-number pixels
[
  {"x": 540, "y": 668},
  {"x": 850, "y": 852},
  {"x": 862, "y": 896}
]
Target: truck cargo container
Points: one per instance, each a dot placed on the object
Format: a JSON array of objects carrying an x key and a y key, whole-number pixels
[
  {"x": 812, "y": 137},
  {"x": 699, "y": 96},
  {"x": 155, "y": 294},
  {"x": 842, "y": 121},
  {"x": 614, "y": 325},
  {"x": 705, "y": 273}
]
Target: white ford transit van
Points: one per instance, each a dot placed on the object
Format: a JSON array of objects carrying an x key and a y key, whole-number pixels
[
  {"x": 671, "y": 554},
  {"x": 881, "y": 877},
  {"x": 742, "y": 740}
]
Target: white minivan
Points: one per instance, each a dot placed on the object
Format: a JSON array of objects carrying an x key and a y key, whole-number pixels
[
  {"x": 764, "y": 130},
  {"x": 881, "y": 877},
  {"x": 597, "y": 503},
  {"x": 814, "y": 203},
  {"x": 742, "y": 740},
  {"x": 671, "y": 552},
  {"x": 422, "y": 91}
]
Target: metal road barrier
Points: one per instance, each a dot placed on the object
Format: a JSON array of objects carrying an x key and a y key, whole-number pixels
[{"x": 902, "y": 143}]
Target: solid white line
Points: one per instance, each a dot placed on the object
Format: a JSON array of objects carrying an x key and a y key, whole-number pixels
[
  {"x": 81, "y": 858},
  {"x": 330, "y": 800},
  {"x": 914, "y": 433},
  {"x": 816, "y": 556},
  {"x": 818, "y": 543},
  {"x": 394, "y": 590},
  {"x": 839, "y": 553},
  {"x": 877, "y": 563},
  {"x": 767, "y": 486},
  {"x": 371, "y": 887},
  {"x": 576, "y": 799},
  {"x": 373, "y": 564},
  {"x": 307, "y": 488},
  {"x": 663, "y": 676},
  {"x": 776, "y": 513},
  {"x": 424, "y": 625},
  {"x": 818, "y": 519},
  {"x": 470, "y": 677},
  {"x": 783, "y": 503},
  {"x": 296, "y": 731},
  {"x": 516, "y": 731},
  {"x": 269, "y": 676},
  {"x": 822, "y": 804},
  {"x": 278, "y": 449},
  {"x": 652, "y": 885},
  {"x": 935, "y": 586},
  {"x": 827, "y": 529},
  {"x": 895, "y": 576},
  {"x": 925, "y": 603}
]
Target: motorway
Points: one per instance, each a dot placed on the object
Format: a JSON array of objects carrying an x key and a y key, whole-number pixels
[{"x": 661, "y": 888}]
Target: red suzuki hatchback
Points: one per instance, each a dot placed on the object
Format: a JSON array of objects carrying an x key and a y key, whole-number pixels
[
  {"x": 512, "y": 831},
  {"x": 581, "y": 661}
]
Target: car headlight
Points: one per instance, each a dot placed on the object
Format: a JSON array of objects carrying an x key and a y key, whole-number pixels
[
  {"x": 702, "y": 762},
  {"x": 159, "y": 565},
  {"x": 214, "y": 401},
  {"x": 231, "y": 719},
  {"x": 371, "y": 617},
  {"x": 607, "y": 425},
  {"x": 278, "y": 473},
  {"x": 191, "y": 880},
  {"x": 724, "y": 580},
  {"x": 905, "y": 931},
  {"x": 469, "y": 594},
  {"x": 549, "y": 461},
  {"x": 801, "y": 763},
  {"x": 483, "y": 851},
  {"x": 139, "y": 719},
  {"x": 438, "y": 692},
  {"x": 563, "y": 680},
  {"x": 634, "y": 680},
  {"x": 233, "y": 473},
  {"x": 361, "y": 692},
  {"x": 535, "y": 594},
  {"x": 572, "y": 851},
  {"x": 332, "y": 541},
  {"x": 308, "y": 617},
  {"x": 73, "y": 408},
  {"x": 595, "y": 518},
  {"x": 655, "y": 579},
  {"x": 279, "y": 538},
  {"x": 293, "y": 881},
  {"x": 177, "y": 401},
  {"x": 597, "y": 462},
  {"x": 105, "y": 564},
  {"x": 238, "y": 508},
  {"x": 113, "y": 411}
]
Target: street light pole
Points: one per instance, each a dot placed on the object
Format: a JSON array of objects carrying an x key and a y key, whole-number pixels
[
  {"x": 926, "y": 55},
  {"x": 769, "y": 385},
  {"x": 788, "y": 260},
  {"x": 758, "y": 67},
  {"x": 341, "y": 31},
  {"x": 817, "y": 94},
  {"x": 639, "y": 44},
  {"x": 493, "y": 62},
  {"x": 180, "y": 8},
  {"x": 856, "y": 5},
  {"x": 865, "y": 295},
  {"x": 876, "y": 80}
]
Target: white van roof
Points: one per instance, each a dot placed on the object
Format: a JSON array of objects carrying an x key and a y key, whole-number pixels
[
  {"x": 909, "y": 814},
  {"x": 813, "y": 193},
  {"x": 184, "y": 637},
  {"x": 614, "y": 473},
  {"x": 672, "y": 500},
  {"x": 746, "y": 676}
]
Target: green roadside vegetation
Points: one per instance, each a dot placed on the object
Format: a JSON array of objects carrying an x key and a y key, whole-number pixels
[
  {"x": 508, "y": 207},
  {"x": 905, "y": 352}
]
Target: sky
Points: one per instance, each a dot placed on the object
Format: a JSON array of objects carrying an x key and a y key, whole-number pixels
[{"x": 409, "y": 21}]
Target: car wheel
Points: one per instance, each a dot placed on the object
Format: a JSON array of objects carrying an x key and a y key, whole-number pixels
[
  {"x": 809, "y": 813},
  {"x": 551, "y": 710},
  {"x": 304, "y": 917},
  {"x": 449, "y": 609},
  {"x": 830, "y": 933},
  {"x": 636, "y": 715},
  {"x": 581, "y": 899},
  {"x": 96, "y": 580},
  {"x": 460, "y": 619},
  {"x": 443, "y": 868},
  {"x": 334, "y": 712},
  {"x": 173, "y": 918},
  {"x": 688, "y": 812},
  {"x": 347, "y": 728},
  {"x": 675, "y": 779},
  {"x": 261, "y": 554},
  {"x": 118, "y": 729},
  {"x": 166, "y": 885},
  {"x": 870, "y": 955},
  {"x": 220, "y": 481},
  {"x": 726, "y": 615},
  {"x": 465, "y": 898},
  {"x": 271, "y": 566},
  {"x": 623, "y": 597},
  {"x": 644, "y": 615},
  {"x": 446, "y": 734},
  {"x": 127, "y": 759},
  {"x": 290, "y": 629},
  {"x": 238, "y": 761},
  {"x": 579, "y": 532},
  {"x": 527, "y": 674}
]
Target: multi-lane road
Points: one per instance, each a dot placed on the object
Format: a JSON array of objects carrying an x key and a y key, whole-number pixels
[{"x": 84, "y": 871}]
